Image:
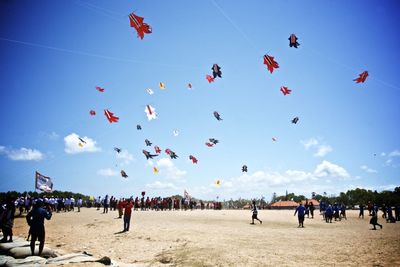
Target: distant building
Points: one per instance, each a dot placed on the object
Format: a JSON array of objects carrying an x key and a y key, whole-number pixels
[{"x": 289, "y": 204}]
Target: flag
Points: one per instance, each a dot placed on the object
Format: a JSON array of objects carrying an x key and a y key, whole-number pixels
[
  {"x": 43, "y": 183},
  {"x": 186, "y": 195}
]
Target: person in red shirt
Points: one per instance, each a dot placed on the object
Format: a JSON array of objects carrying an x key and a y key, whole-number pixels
[
  {"x": 120, "y": 206},
  {"x": 127, "y": 215}
]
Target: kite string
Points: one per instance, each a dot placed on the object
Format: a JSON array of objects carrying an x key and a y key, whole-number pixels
[{"x": 100, "y": 10}]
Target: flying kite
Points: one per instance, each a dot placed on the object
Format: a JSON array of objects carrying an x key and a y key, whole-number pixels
[
  {"x": 80, "y": 144},
  {"x": 138, "y": 127},
  {"x": 148, "y": 143},
  {"x": 216, "y": 71},
  {"x": 110, "y": 116},
  {"x": 139, "y": 25},
  {"x": 123, "y": 174},
  {"x": 362, "y": 77},
  {"x": 101, "y": 90},
  {"x": 162, "y": 85},
  {"x": 270, "y": 62},
  {"x": 83, "y": 141},
  {"x": 175, "y": 132},
  {"x": 148, "y": 155},
  {"x": 274, "y": 139},
  {"x": 157, "y": 149},
  {"x": 149, "y": 91},
  {"x": 295, "y": 120},
  {"x": 92, "y": 112},
  {"x": 285, "y": 90},
  {"x": 150, "y": 112},
  {"x": 209, "y": 144},
  {"x": 189, "y": 86},
  {"x": 193, "y": 159},
  {"x": 155, "y": 170},
  {"x": 218, "y": 182},
  {"x": 171, "y": 153},
  {"x": 209, "y": 78},
  {"x": 244, "y": 168},
  {"x": 293, "y": 41},
  {"x": 217, "y": 116},
  {"x": 213, "y": 140},
  {"x": 118, "y": 150}
]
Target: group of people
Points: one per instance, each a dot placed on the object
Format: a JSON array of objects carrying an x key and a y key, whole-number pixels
[{"x": 56, "y": 204}]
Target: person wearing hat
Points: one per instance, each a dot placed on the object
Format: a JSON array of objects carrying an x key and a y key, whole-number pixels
[{"x": 35, "y": 220}]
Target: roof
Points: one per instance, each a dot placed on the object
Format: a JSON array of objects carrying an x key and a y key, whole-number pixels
[
  {"x": 314, "y": 201},
  {"x": 289, "y": 203}
]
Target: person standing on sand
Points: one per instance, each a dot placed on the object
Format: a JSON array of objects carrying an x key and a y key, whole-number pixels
[
  {"x": 374, "y": 220},
  {"x": 7, "y": 220},
  {"x": 361, "y": 211},
  {"x": 79, "y": 204},
  {"x": 300, "y": 210},
  {"x": 35, "y": 220},
  {"x": 127, "y": 215},
  {"x": 312, "y": 208},
  {"x": 106, "y": 204},
  {"x": 255, "y": 213}
]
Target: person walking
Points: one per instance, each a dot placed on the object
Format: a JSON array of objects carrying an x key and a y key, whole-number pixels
[{"x": 300, "y": 210}]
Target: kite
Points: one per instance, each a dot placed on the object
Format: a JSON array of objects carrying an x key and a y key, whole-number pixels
[
  {"x": 118, "y": 150},
  {"x": 285, "y": 90},
  {"x": 213, "y": 141},
  {"x": 101, "y": 90},
  {"x": 123, "y": 174},
  {"x": 148, "y": 155},
  {"x": 139, "y": 25},
  {"x": 149, "y": 91},
  {"x": 148, "y": 143},
  {"x": 92, "y": 112},
  {"x": 217, "y": 116},
  {"x": 295, "y": 120},
  {"x": 274, "y": 139},
  {"x": 209, "y": 144},
  {"x": 150, "y": 112},
  {"x": 171, "y": 153},
  {"x": 110, "y": 116},
  {"x": 162, "y": 85},
  {"x": 209, "y": 78},
  {"x": 138, "y": 127},
  {"x": 270, "y": 62},
  {"x": 157, "y": 149},
  {"x": 218, "y": 182},
  {"x": 293, "y": 41},
  {"x": 175, "y": 132},
  {"x": 83, "y": 141},
  {"x": 155, "y": 170},
  {"x": 244, "y": 168},
  {"x": 80, "y": 144},
  {"x": 216, "y": 71},
  {"x": 189, "y": 85},
  {"x": 193, "y": 159},
  {"x": 362, "y": 77}
]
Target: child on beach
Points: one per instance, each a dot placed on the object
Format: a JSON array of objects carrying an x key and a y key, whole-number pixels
[
  {"x": 255, "y": 213},
  {"x": 300, "y": 210},
  {"x": 374, "y": 220}
]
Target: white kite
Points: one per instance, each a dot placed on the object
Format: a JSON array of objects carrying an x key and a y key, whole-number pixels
[
  {"x": 175, "y": 132},
  {"x": 150, "y": 112},
  {"x": 149, "y": 91}
]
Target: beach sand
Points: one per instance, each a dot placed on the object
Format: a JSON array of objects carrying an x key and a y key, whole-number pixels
[{"x": 222, "y": 238}]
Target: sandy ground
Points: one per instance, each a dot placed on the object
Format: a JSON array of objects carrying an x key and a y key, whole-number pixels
[{"x": 222, "y": 238}]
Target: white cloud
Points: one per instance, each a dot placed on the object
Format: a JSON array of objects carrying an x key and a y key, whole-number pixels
[
  {"x": 367, "y": 169},
  {"x": 383, "y": 154},
  {"x": 125, "y": 156},
  {"x": 395, "y": 153},
  {"x": 161, "y": 185},
  {"x": 327, "y": 169},
  {"x": 24, "y": 154},
  {"x": 107, "y": 172},
  {"x": 323, "y": 150},
  {"x": 310, "y": 143},
  {"x": 165, "y": 165},
  {"x": 72, "y": 144}
]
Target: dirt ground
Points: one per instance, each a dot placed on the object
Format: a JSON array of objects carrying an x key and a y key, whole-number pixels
[{"x": 222, "y": 238}]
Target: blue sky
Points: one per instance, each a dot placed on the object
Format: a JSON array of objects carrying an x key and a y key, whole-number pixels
[{"x": 54, "y": 53}]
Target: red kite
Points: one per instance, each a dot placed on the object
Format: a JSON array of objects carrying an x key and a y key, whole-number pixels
[
  {"x": 101, "y": 90},
  {"x": 209, "y": 78},
  {"x": 193, "y": 159},
  {"x": 92, "y": 112},
  {"x": 110, "y": 116},
  {"x": 157, "y": 149},
  {"x": 362, "y": 77},
  {"x": 139, "y": 25},
  {"x": 285, "y": 90},
  {"x": 293, "y": 41},
  {"x": 270, "y": 62}
]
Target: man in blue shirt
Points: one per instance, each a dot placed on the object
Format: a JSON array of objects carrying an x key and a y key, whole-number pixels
[
  {"x": 35, "y": 220},
  {"x": 300, "y": 210}
]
